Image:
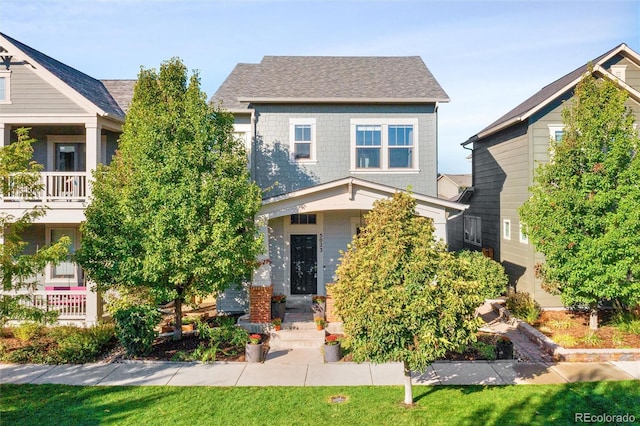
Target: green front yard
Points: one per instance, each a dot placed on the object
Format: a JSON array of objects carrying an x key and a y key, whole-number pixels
[{"x": 455, "y": 405}]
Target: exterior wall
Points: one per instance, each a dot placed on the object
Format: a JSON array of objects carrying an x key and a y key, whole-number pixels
[
  {"x": 447, "y": 189},
  {"x": 338, "y": 233},
  {"x": 273, "y": 167},
  {"x": 278, "y": 253},
  {"x": 30, "y": 94}
]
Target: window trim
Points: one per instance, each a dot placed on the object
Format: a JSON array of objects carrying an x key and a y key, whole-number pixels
[
  {"x": 384, "y": 122},
  {"x": 506, "y": 229},
  {"x": 523, "y": 238},
  {"x": 293, "y": 122},
  {"x": 6, "y": 75},
  {"x": 477, "y": 220},
  {"x": 74, "y": 234}
]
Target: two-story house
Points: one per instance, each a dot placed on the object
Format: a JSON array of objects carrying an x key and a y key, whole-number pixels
[
  {"x": 76, "y": 121},
  {"x": 327, "y": 137},
  {"x": 505, "y": 155}
]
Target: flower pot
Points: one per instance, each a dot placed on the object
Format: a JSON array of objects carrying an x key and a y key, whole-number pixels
[
  {"x": 253, "y": 352},
  {"x": 277, "y": 327},
  {"x": 504, "y": 350},
  {"x": 318, "y": 309},
  {"x": 319, "y": 327},
  {"x": 332, "y": 353}
]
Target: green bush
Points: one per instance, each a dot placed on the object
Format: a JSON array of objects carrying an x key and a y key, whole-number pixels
[
  {"x": 135, "y": 328},
  {"x": 626, "y": 322},
  {"x": 28, "y": 331},
  {"x": 522, "y": 305},
  {"x": 487, "y": 272},
  {"x": 80, "y": 345}
]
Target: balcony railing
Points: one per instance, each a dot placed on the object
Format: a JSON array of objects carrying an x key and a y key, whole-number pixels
[
  {"x": 70, "y": 304},
  {"x": 57, "y": 186}
]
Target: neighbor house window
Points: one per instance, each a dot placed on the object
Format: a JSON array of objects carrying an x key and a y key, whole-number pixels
[
  {"x": 506, "y": 229},
  {"x": 302, "y": 139},
  {"x": 472, "y": 230},
  {"x": 523, "y": 237},
  {"x": 384, "y": 145},
  {"x": 303, "y": 219},
  {"x": 5, "y": 87}
]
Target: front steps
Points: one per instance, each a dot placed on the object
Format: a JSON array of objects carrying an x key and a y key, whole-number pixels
[{"x": 298, "y": 331}]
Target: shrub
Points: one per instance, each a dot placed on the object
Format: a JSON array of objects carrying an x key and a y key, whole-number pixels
[
  {"x": 591, "y": 339},
  {"x": 565, "y": 340},
  {"x": 28, "y": 331},
  {"x": 487, "y": 272},
  {"x": 80, "y": 345},
  {"x": 135, "y": 328},
  {"x": 626, "y": 322},
  {"x": 486, "y": 350},
  {"x": 522, "y": 305}
]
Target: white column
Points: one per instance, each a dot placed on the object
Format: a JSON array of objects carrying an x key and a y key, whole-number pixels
[
  {"x": 262, "y": 275},
  {"x": 92, "y": 150},
  {"x": 5, "y": 134},
  {"x": 91, "y": 304}
]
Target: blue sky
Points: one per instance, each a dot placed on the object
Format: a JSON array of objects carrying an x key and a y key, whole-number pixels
[{"x": 488, "y": 55}]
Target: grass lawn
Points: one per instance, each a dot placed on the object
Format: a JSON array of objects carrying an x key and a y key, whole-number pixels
[{"x": 367, "y": 405}]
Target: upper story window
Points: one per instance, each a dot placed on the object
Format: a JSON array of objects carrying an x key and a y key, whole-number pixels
[
  {"x": 384, "y": 145},
  {"x": 302, "y": 139},
  {"x": 5, "y": 87}
]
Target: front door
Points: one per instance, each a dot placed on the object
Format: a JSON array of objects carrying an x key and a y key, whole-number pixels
[{"x": 304, "y": 264}]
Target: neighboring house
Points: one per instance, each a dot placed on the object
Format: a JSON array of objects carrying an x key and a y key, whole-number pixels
[
  {"x": 327, "y": 137},
  {"x": 505, "y": 155},
  {"x": 77, "y": 121},
  {"x": 451, "y": 187}
]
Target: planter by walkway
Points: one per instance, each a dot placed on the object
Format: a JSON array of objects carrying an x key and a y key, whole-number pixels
[
  {"x": 332, "y": 353},
  {"x": 253, "y": 353}
]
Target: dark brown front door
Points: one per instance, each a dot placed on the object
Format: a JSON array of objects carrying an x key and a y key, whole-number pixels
[{"x": 304, "y": 264}]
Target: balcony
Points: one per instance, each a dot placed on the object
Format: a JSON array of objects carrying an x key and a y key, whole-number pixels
[{"x": 56, "y": 187}]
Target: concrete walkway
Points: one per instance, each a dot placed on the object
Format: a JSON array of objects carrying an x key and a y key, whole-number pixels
[{"x": 304, "y": 367}]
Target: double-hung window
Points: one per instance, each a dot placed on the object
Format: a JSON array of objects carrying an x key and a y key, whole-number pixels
[
  {"x": 388, "y": 145},
  {"x": 5, "y": 87},
  {"x": 302, "y": 139}
]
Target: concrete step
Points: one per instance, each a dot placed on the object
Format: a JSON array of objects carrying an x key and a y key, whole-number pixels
[{"x": 296, "y": 338}]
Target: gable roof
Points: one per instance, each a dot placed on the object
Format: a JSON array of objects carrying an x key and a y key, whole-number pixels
[
  {"x": 458, "y": 179},
  {"x": 91, "y": 89},
  {"x": 330, "y": 79},
  {"x": 550, "y": 92},
  {"x": 121, "y": 91}
]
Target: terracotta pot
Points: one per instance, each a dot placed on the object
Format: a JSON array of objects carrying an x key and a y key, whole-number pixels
[{"x": 277, "y": 327}]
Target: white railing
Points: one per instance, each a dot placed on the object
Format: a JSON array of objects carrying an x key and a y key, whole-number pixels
[
  {"x": 57, "y": 186},
  {"x": 70, "y": 304}
]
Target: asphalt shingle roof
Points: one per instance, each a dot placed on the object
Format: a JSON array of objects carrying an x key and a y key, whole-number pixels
[
  {"x": 543, "y": 94},
  {"x": 330, "y": 79},
  {"x": 92, "y": 89},
  {"x": 121, "y": 91}
]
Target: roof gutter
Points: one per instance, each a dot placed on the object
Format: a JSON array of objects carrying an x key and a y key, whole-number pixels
[{"x": 279, "y": 100}]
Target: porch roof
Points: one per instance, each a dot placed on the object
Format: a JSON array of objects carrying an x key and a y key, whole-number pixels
[{"x": 351, "y": 194}]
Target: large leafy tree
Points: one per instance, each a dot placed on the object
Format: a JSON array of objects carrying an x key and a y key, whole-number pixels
[
  {"x": 20, "y": 177},
  {"x": 583, "y": 212},
  {"x": 402, "y": 296},
  {"x": 174, "y": 212}
]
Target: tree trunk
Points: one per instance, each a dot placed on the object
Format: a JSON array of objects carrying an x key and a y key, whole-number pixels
[
  {"x": 593, "y": 317},
  {"x": 408, "y": 390},
  {"x": 177, "y": 331}
]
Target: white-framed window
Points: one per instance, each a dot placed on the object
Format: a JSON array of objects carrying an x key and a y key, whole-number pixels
[
  {"x": 5, "y": 87},
  {"x": 67, "y": 270},
  {"x": 523, "y": 237},
  {"x": 302, "y": 140},
  {"x": 388, "y": 145},
  {"x": 473, "y": 230},
  {"x": 506, "y": 229},
  {"x": 556, "y": 135}
]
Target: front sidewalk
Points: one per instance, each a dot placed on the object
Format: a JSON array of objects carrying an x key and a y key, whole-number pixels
[{"x": 289, "y": 371}]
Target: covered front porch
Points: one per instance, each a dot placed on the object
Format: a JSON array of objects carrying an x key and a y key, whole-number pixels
[{"x": 305, "y": 232}]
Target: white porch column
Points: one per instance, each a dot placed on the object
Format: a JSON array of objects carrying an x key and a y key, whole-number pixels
[
  {"x": 5, "y": 134},
  {"x": 91, "y": 304},
  {"x": 262, "y": 275},
  {"x": 92, "y": 150}
]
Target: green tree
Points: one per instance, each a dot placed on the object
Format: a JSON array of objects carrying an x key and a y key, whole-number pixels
[
  {"x": 20, "y": 177},
  {"x": 401, "y": 295},
  {"x": 583, "y": 211},
  {"x": 174, "y": 212}
]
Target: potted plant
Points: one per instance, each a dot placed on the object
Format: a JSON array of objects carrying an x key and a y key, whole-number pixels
[
  {"x": 504, "y": 348},
  {"x": 331, "y": 348},
  {"x": 318, "y": 305},
  {"x": 319, "y": 323},
  {"x": 278, "y": 306},
  {"x": 277, "y": 323},
  {"x": 253, "y": 348}
]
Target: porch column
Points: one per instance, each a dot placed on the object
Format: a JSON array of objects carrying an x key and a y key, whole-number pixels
[
  {"x": 92, "y": 150},
  {"x": 5, "y": 134},
  {"x": 91, "y": 304},
  {"x": 261, "y": 288}
]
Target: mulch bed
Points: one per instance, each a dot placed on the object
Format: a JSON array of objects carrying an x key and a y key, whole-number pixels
[{"x": 559, "y": 325}]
